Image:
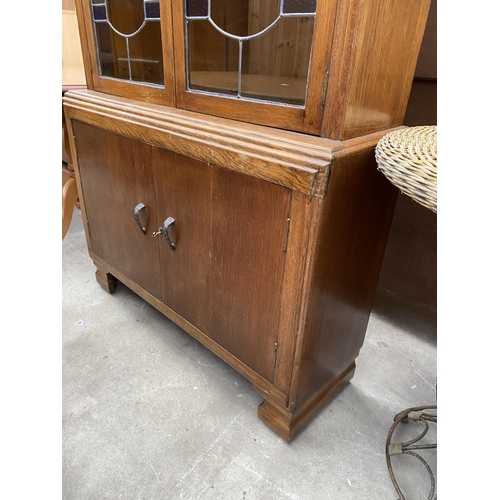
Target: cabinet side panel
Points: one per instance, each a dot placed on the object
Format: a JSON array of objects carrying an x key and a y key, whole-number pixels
[
  {"x": 353, "y": 231},
  {"x": 116, "y": 176},
  {"x": 248, "y": 234},
  {"x": 373, "y": 64}
]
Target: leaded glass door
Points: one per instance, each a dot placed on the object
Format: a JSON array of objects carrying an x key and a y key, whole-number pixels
[
  {"x": 261, "y": 61},
  {"x": 130, "y": 44}
]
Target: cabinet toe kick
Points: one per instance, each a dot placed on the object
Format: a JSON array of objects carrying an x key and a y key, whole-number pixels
[{"x": 286, "y": 423}]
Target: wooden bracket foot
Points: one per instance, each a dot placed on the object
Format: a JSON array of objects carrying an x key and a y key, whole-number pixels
[
  {"x": 288, "y": 424},
  {"x": 105, "y": 279}
]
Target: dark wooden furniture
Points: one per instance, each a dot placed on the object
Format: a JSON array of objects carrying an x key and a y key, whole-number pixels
[{"x": 240, "y": 195}]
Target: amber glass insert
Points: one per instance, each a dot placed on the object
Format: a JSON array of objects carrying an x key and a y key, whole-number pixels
[
  {"x": 250, "y": 49},
  {"x": 128, "y": 39}
]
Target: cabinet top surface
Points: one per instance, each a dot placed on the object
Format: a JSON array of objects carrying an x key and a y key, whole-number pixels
[{"x": 297, "y": 161}]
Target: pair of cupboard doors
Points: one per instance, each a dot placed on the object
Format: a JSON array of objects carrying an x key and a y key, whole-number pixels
[{"x": 219, "y": 261}]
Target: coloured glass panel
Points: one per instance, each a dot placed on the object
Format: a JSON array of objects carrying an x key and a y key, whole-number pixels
[
  {"x": 299, "y": 6},
  {"x": 197, "y": 8},
  {"x": 152, "y": 10},
  {"x": 100, "y": 12}
]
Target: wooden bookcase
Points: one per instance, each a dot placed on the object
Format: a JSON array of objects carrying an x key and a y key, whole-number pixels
[{"x": 227, "y": 175}]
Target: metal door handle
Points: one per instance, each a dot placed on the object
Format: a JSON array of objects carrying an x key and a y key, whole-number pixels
[
  {"x": 164, "y": 230},
  {"x": 137, "y": 209}
]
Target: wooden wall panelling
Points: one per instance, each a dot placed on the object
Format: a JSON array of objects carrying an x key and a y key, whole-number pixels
[
  {"x": 284, "y": 60},
  {"x": 261, "y": 60},
  {"x": 212, "y": 51}
]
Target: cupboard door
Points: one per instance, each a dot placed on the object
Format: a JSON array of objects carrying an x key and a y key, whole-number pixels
[
  {"x": 116, "y": 176},
  {"x": 223, "y": 268},
  {"x": 249, "y": 225},
  {"x": 183, "y": 194}
]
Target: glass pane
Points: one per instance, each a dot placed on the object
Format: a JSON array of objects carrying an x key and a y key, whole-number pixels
[
  {"x": 242, "y": 18},
  {"x": 213, "y": 59},
  {"x": 279, "y": 74},
  {"x": 125, "y": 16},
  {"x": 251, "y": 49},
  {"x": 146, "y": 60},
  {"x": 262, "y": 14},
  {"x": 128, "y": 39},
  {"x": 105, "y": 48},
  {"x": 299, "y": 6}
]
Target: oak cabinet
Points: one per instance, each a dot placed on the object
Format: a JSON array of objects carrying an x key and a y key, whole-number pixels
[{"x": 224, "y": 156}]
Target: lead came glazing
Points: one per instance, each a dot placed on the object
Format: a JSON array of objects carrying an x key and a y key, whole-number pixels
[
  {"x": 128, "y": 39},
  {"x": 251, "y": 49}
]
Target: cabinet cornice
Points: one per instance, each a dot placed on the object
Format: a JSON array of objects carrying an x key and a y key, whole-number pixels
[{"x": 289, "y": 159}]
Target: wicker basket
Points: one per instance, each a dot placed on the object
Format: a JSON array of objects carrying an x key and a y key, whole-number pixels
[{"x": 408, "y": 158}]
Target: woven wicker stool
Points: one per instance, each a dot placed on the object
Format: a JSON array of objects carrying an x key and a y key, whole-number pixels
[{"x": 408, "y": 158}]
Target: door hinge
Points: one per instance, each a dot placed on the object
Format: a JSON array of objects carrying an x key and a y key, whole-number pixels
[
  {"x": 325, "y": 88},
  {"x": 275, "y": 354},
  {"x": 90, "y": 65},
  {"x": 287, "y": 231}
]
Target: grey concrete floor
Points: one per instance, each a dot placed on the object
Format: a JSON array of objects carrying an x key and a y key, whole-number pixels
[{"x": 150, "y": 413}]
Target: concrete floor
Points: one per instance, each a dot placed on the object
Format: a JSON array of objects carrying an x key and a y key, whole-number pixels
[{"x": 149, "y": 413}]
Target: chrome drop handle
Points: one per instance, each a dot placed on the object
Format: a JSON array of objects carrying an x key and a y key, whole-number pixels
[
  {"x": 137, "y": 209},
  {"x": 164, "y": 231}
]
